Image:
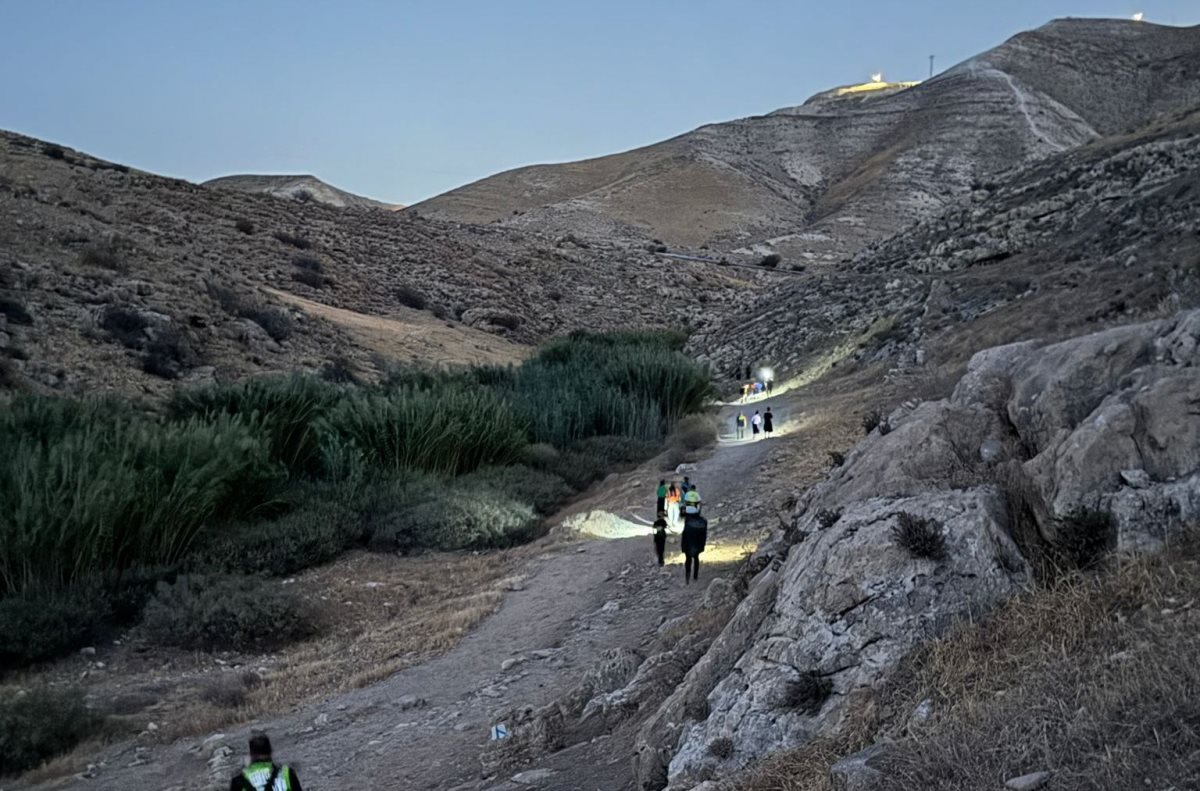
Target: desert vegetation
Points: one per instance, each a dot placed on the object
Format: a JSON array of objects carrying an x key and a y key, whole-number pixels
[{"x": 120, "y": 513}]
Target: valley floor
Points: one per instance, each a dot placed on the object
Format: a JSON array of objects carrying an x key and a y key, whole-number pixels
[{"x": 426, "y": 725}]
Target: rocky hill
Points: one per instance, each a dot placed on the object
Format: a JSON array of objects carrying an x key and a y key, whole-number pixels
[
  {"x": 819, "y": 181},
  {"x": 1101, "y": 234},
  {"x": 300, "y": 188},
  {"x": 112, "y": 278}
]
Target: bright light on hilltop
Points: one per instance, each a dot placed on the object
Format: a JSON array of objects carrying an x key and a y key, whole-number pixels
[
  {"x": 1139, "y": 16},
  {"x": 877, "y": 77}
]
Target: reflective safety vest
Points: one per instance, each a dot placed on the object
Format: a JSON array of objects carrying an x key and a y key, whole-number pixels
[
  {"x": 692, "y": 497},
  {"x": 257, "y": 775}
]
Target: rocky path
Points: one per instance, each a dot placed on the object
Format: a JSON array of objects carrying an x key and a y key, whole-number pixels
[{"x": 425, "y": 727}]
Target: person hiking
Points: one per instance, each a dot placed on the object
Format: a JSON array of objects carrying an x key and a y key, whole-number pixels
[
  {"x": 660, "y": 537},
  {"x": 692, "y": 500},
  {"x": 770, "y": 384},
  {"x": 695, "y": 536},
  {"x": 741, "y": 425},
  {"x": 673, "y": 497},
  {"x": 768, "y": 422},
  {"x": 263, "y": 774},
  {"x": 685, "y": 487},
  {"x": 756, "y": 424},
  {"x": 660, "y": 497}
]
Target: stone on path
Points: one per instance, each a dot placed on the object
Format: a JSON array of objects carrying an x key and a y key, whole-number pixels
[
  {"x": 1028, "y": 782},
  {"x": 533, "y": 777}
]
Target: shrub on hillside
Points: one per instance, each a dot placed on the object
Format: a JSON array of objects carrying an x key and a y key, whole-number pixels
[
  {"x": 871, "y": 421},
  {"x": 827, "y": 518},
  {"x": 310, "y": 278},
  {"x": 314, "y": 533},
  {"x": 836, "y": 458},
  {"x": 299, "y": 242},
  {"x": 228, "y": 690},
  {"x": 168, "y": 353},
  {"x": 1084, "y": 536},
  {"x": 340, "y": 370},
  {"x": 545, "y": 491},
  {"x": 410, "y": 297},
  {"x": 806, "y": 694},
  {"x": 40, "y": 724},
  {"x": 225, "y": 613},
  {"x": 308, "y": 263},
  {"x": 37, "y": 626},
  {"x": 54, "y": 151},
  {"x": 277, "y": 323},
  {"x": 124, "y": 325},
  {"x": 542, "y": 456},
  {"x": 770, "y": 260},
  {"x": 922, "y": 537},
  {"x": 105, "y": 254},
  {"x": 721, "y": 747},
  {"x": 591, "y": 459},
  {"x": 245, "y": 226},
  {"x": 15, "y": 311}
]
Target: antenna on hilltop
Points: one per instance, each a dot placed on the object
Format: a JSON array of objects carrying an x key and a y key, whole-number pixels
[{"x": 931, "y": 67}]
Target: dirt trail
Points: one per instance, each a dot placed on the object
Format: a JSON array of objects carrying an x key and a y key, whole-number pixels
[{"x": 424, "y": 727}]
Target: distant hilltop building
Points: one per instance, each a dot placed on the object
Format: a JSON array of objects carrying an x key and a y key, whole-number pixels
[{"x": 877, "y": 83}]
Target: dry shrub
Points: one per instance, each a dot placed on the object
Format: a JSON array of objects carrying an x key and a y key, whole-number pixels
[
  {"x": 693, "y": 433},
  {"x": 871, "y": 420},
  {"x": 807, "y": 693},
  {"x": 228, "y": 690},
  {"x": 920, "y": 536},
  {"x": 827, "y": 518},
  {"x": 721, "y": 747},
  {"x": 836, "y": 458}
]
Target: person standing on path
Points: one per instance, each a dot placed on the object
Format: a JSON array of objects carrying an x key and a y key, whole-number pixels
[
  {"x": 768, "y": 422},
  {"x": 756, "y": 424},
  {"x": 741, "y": 425},
  {"x": 695, "y": 536},
  {"x": 660, "y": 537},
  {"x": 263, "y": 774},
  {"x": 673, "y": 497},
  {"x": 660, "y": 496}
]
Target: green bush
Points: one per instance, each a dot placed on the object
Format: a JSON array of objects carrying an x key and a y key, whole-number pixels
[
  {"x": 225, "y": 613},
  {"x": 284, "y": 410},
  {"x": 41, "y": 724},
  {"x": 90, "y": 493},
  {"x": 15, "y": 311},
  {"x": 591, "y": 459},
  {"x": 424, "y": 512},
  {"x": 451, "y": 430},
  {"x": 313, "y": 534},
  {"x": 37, "y": 626},
  {"x": 545, "y": 491}
]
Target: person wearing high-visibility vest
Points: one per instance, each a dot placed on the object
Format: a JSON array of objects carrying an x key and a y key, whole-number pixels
[{"x": 263, "y": 774}]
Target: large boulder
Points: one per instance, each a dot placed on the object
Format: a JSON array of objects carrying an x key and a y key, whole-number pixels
[{"x": 941, "y": 519}]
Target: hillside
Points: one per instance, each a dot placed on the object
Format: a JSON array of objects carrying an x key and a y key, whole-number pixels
[
  {"x": 819, "y": 181},
  {"x": 1102, "y": 234},
  {"x": 299, "y": 188},
  {"x": 117, "y": 279}
]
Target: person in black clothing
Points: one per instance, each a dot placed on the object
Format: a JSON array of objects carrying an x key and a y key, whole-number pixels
[
  {"x": 660, "y": 536},
  {"x": 695, "y": 536},
  {"x": 263, "y": 774},
  {"x": 768, "y": 422}
]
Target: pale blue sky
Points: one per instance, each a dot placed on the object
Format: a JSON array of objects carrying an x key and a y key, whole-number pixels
[{"x": 402, "y": 100}]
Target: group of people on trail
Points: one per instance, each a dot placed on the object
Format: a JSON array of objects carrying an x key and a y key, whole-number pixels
[
  {"x": 756, "y": 388},
  {"x": 760, "y": 423},
  {"x": 668, "y": 503}
]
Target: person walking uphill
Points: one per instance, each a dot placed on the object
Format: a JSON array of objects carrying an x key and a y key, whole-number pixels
[
  {"x": 263, "y": 774},
  {"x": 660, "y": 537},
  {"x": 741, "y": 425},
  {"x": 756, "y": 424},
  {"x": 695, "y": 536},
  {"x": 660, "y": 505},
  {"x": 768, "y": 422}
]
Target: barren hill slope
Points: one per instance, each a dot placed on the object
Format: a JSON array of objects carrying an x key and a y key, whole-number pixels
[
  {"x": 118, "y": 279},
  {"x": 301, "y": 188},
  {"x": 819, "y": 181},
  {"x": 1102, "y": 234}
]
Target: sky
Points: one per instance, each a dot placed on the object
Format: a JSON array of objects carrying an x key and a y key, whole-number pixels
[{"x": 400, "y": 100}]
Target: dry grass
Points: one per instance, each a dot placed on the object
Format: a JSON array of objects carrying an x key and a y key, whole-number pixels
[{"x": 1096, "y": 679}]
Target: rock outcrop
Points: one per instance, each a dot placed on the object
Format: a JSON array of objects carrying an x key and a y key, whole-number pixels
[{"x": 1044, "y": 455}]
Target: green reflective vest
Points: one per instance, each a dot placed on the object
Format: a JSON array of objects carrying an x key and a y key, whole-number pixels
[{"x": 257, "y": 775}]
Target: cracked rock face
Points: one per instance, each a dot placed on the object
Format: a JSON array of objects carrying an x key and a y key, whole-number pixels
[{"x": 1109, "y": 421}]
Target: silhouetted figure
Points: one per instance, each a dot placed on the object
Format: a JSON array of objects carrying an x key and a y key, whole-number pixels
[
  {"x": 756, "y": 424},
  {"x": 695, "y": 536},
  {"x": 740, "y": 422},
  {"x": 768, "y": 422},
  {"x": 660, "y": 497},
  {"x": 263, "y": 774},
  {"x": 660, "y": 536}
]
